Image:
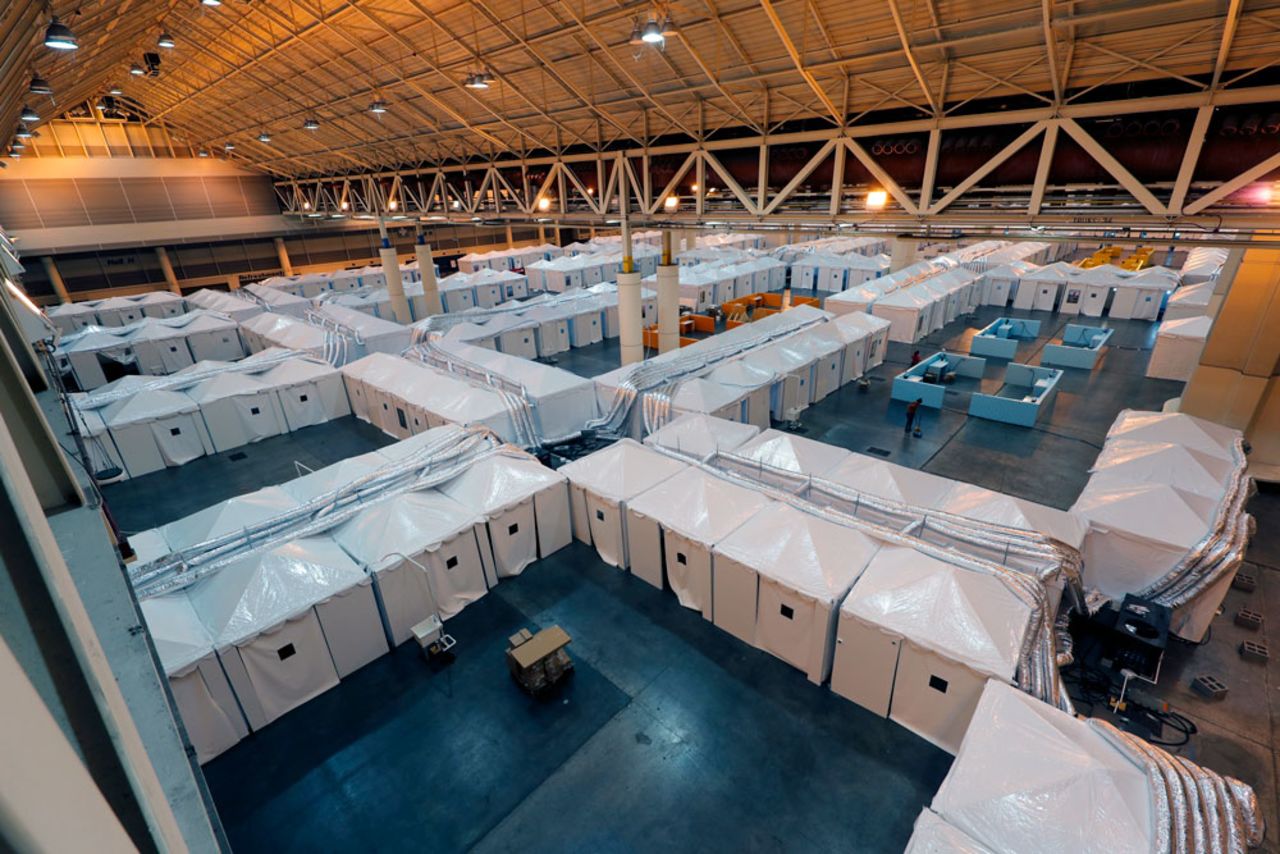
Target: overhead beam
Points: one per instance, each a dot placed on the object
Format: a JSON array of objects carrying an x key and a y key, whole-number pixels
[
  {"x": 911, "y": 57},
  {"x": 798, "y": 61},
  {"x": 987, "y": 168},
  {"x": 1114, "y": 167}
]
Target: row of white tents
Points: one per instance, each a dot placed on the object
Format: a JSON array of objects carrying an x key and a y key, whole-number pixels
[
  {"x": 331, "y": 332},
  {"x": 884, "y": 621},
  {"x": 282, "y": 623},
  {"x": 71, "y": 317},
  {"x": 867, "y": 245},
  {"x": 516, "y": 258},
  {"x": 737, "y": 379},
  {"x": 1188, "y": 316},
  {"x": 1166, "y": 492},
  {"x": 152, "y": 346},
  {"x": 137, "y": 425},
  {"x": 716, "y": 281},
  {"x": 586, "y": 269}
]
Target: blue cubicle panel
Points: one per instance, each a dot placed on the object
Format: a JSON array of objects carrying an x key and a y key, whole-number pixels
[
  {"x": 1026, "y": 391},
  {"x": 924, "y": 381},
  {"x": 1080, "y": 348},
  {"x": 999, "y": 339}
]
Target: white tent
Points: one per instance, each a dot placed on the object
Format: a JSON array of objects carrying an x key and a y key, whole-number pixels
[
  {"x": 1096, "y": 284},
  {"x": 231, "y": 516},
  {"x": 310, "y": 391},
  {"x": 288, "y": 623},
  {"x": 159, "y": 349},
  {"x": 1176, "y": 428},
  {"x": 155, "y": 429},
  {"x": 1029, "y": 777},
  {"x": 427, "y": 554},
  {"x": 238, "y": 409},
  {"x": 91, "y": 351},
  {"x": 375, "y": 334},
  {"x": 705, "y": 397},
  {"x": 1163, "y": 462},
  {"x": 675, "y": 524},
  {"x": 785, "y": 458},
  {"x": 233, "y": 305},
  {"x": 205, "y": 702},
  {"x": 918, "y": 637},
  {"x": 1044, "y": 288},
  {"x": 753, "y": 383},
  {"x": 280, "y": 301},
  {"x": 697, "y": 436},
  {"x": 525, "y": 506},
  {"x": 601, "y": 485},
  {"x": 1190, "y": 301},
  {"x": 562, "y": 402},
  {"x": 778, "y": 583},
  {"x": 118, "y": 311},
  {"x": 1179, "y": 344},
  {"x": 877, "y": 338},
  {"x": 211, "y": 335},
  {"x": 909, "y": 312},
  {"x": 552, "y": 330},
  {"x": 71, "y": 317},
  {"x": 998, "y": 284},
  {"x": 1142, "y": 296},
  {"x": 792, "y": 373},
  {"x": 1203, "y": 264},
  {"x": 161, "y": 304},
  {"x": 878, "y": 478}
]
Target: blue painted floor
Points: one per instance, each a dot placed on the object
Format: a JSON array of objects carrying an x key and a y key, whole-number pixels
[{"x": 670, "y": 735}]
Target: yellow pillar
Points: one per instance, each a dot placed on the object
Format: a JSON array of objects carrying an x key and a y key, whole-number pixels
[
  {"x": 55, "y": 279},
  {"x": 1237, "y": 382},
  {"x": 233, "y": 281},
  {"x": 511, "y": 241},
  {"x": 167, "y": 268},
  {"x": 283, "y": 255}
]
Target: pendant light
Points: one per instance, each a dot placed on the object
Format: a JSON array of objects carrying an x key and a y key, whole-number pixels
[
  {"x": 29, "y": 115},
  {"x": 311, "y": 124},
  {"x": 165, "y": 41},
  {"x": 58, "y": 36},
  {"x": 39, "y": 86}
]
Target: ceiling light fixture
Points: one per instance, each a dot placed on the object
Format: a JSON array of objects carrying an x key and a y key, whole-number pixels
[
  {"x": 136, "y": 70},
  {"x": 311, "y": 124},
  {"x": 876, "y": 200},
  {"x": 29, "y": 115},
  {"x": 264, "y": 137},
  {"x": 392, "y": 205},
  {"x": 165, "y": 41},
  {"x": 15, "y": 153},
  {"x": 39, "y": 86},
  {"x": 671, "y": 203},
  {"x": 202, "y": 153},
  {"x": 378, "y": 107},
  {"x": 115, "y": 90},
  {"x": 228, "y": 146},
  {"x": 59, "y": 36},
  {"x": 18, "y": 145},
  {"x": 306, "y": 206},
  {"x": 479, "y": 80},
  {"x": 652, "y": 32},
  {"x": 23, "y": 132},
  {"x": 544, "y": 204},
  {"x": 637, "y": 34},
  {"x": 210, "y": 2},
  {"x": 668, "y": 27},
  {"x": 345, "y": 204}
]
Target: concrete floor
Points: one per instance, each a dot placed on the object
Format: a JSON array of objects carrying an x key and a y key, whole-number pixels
[{"x": 671, "y": 732}]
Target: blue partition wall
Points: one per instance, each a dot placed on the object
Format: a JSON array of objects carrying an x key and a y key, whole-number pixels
[
  {"x": 1080, "y": 347},
  {"x": 999, "y": 340},
  {"x": 924, "y": 381},
  {"x": 1026, "y": 391}
]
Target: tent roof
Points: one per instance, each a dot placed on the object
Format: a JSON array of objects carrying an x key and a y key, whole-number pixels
[
  {"x": 1150, "y": 462},
  {"x": 537, "y": 378},
  {"x": 298, "y": 370},
  {"x": 932, "y": 835},
  {"x": 180, "y": 638},
  {"x": 700, "y": 395},
  {"x": 1187, "y": 327},
  {"x": 263, "y": 589},
  {"x": 70, "y": 308},
  {"x": 622, "y": 471},
  {"x": 1029, "y": 777},
  {"x": 227, "y": 517},
  {"x": 986, "y": 505},
  {"x": 863, "y": 320},
  {"x": 147, "y": 405},
  {"x": 959, "y": 614},
  {"x": 788, "y": 452},
  {"x": 699, "y": 505},
  {"x": 226, "y": 384},
  {"x": 1175, "y": 428},
  {"x": 697, "y": 434},
  {"x": 909, "y": 297},
  {"x": 811, "y": 555},
  {"x": 1155, "y": 511},
  {"x": 408, "y": 523},
  {"x": 887, "y": 480},
  {"x": 742, "y": 374},
  {"x": 308, "y": 486},
  {"x": 500, "y": 481}
]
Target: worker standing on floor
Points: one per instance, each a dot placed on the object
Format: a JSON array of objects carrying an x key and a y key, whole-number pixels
[{"x": 912, "y": 409}]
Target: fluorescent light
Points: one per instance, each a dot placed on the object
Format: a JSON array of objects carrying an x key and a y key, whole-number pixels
[
  {"x": 165, "y": 41},
  {"x": 59, "y": 36}
]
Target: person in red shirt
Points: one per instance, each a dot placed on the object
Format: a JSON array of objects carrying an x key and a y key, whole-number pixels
[
  {"x": 912, "y": 408},
  {"x": 915, "y": 358}
]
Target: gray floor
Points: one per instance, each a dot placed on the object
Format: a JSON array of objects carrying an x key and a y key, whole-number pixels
[{"x": 673, "y": 734}]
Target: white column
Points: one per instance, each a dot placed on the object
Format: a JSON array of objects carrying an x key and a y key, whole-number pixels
[
  {"x": 55, "y": 279},
  {"x": 283, "y": 255},
  {"x": 631, "y": 326},
  {"x": 668, "y": 308},
  {"x": 395, "y": 285},
  {"x": 427, "y": 267},
  {"x": 167, "y": 268},
  {"x": 903, "y": 253}
]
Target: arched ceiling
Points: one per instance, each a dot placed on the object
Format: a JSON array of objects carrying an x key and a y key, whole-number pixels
[{"x": 567, "y": 76}]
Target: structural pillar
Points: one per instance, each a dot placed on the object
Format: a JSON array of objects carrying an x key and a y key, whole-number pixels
[
  {"x": 391, "y": 271},
  {"x": 903, "y": 253},
  {"x": 167, "y": 268},
  {"x": 1237, "y": 382},
  {"x": 668, "y": 299},
  {"x": 427, "y": 267},
  {"x": 233, "y": 281},
  {"x": 55, "y": 279},
  {"x": 283, "y": 255},
  {"x": 511, "y": 241},
  {"x": 630, "y": 323}
]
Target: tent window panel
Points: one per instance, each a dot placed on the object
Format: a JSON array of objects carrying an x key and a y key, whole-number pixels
[
  {"x": 253, "y": 410},
  {"x": 450, "y": 563},
  {"x": 512, "y": 529},
  {"x": 286, "y": 652},
  {"x": 175, "y": 431},
  {"x": 681, "y": 559},
  {"x": 787, "y": 611},
  {"x": 938, "y": 684},
  {"x": 404, "y": 422},
  {"x": 600, "y": 515},
  {"x": 302, "y": 398},
  {"x": 173, "y": 349}
]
